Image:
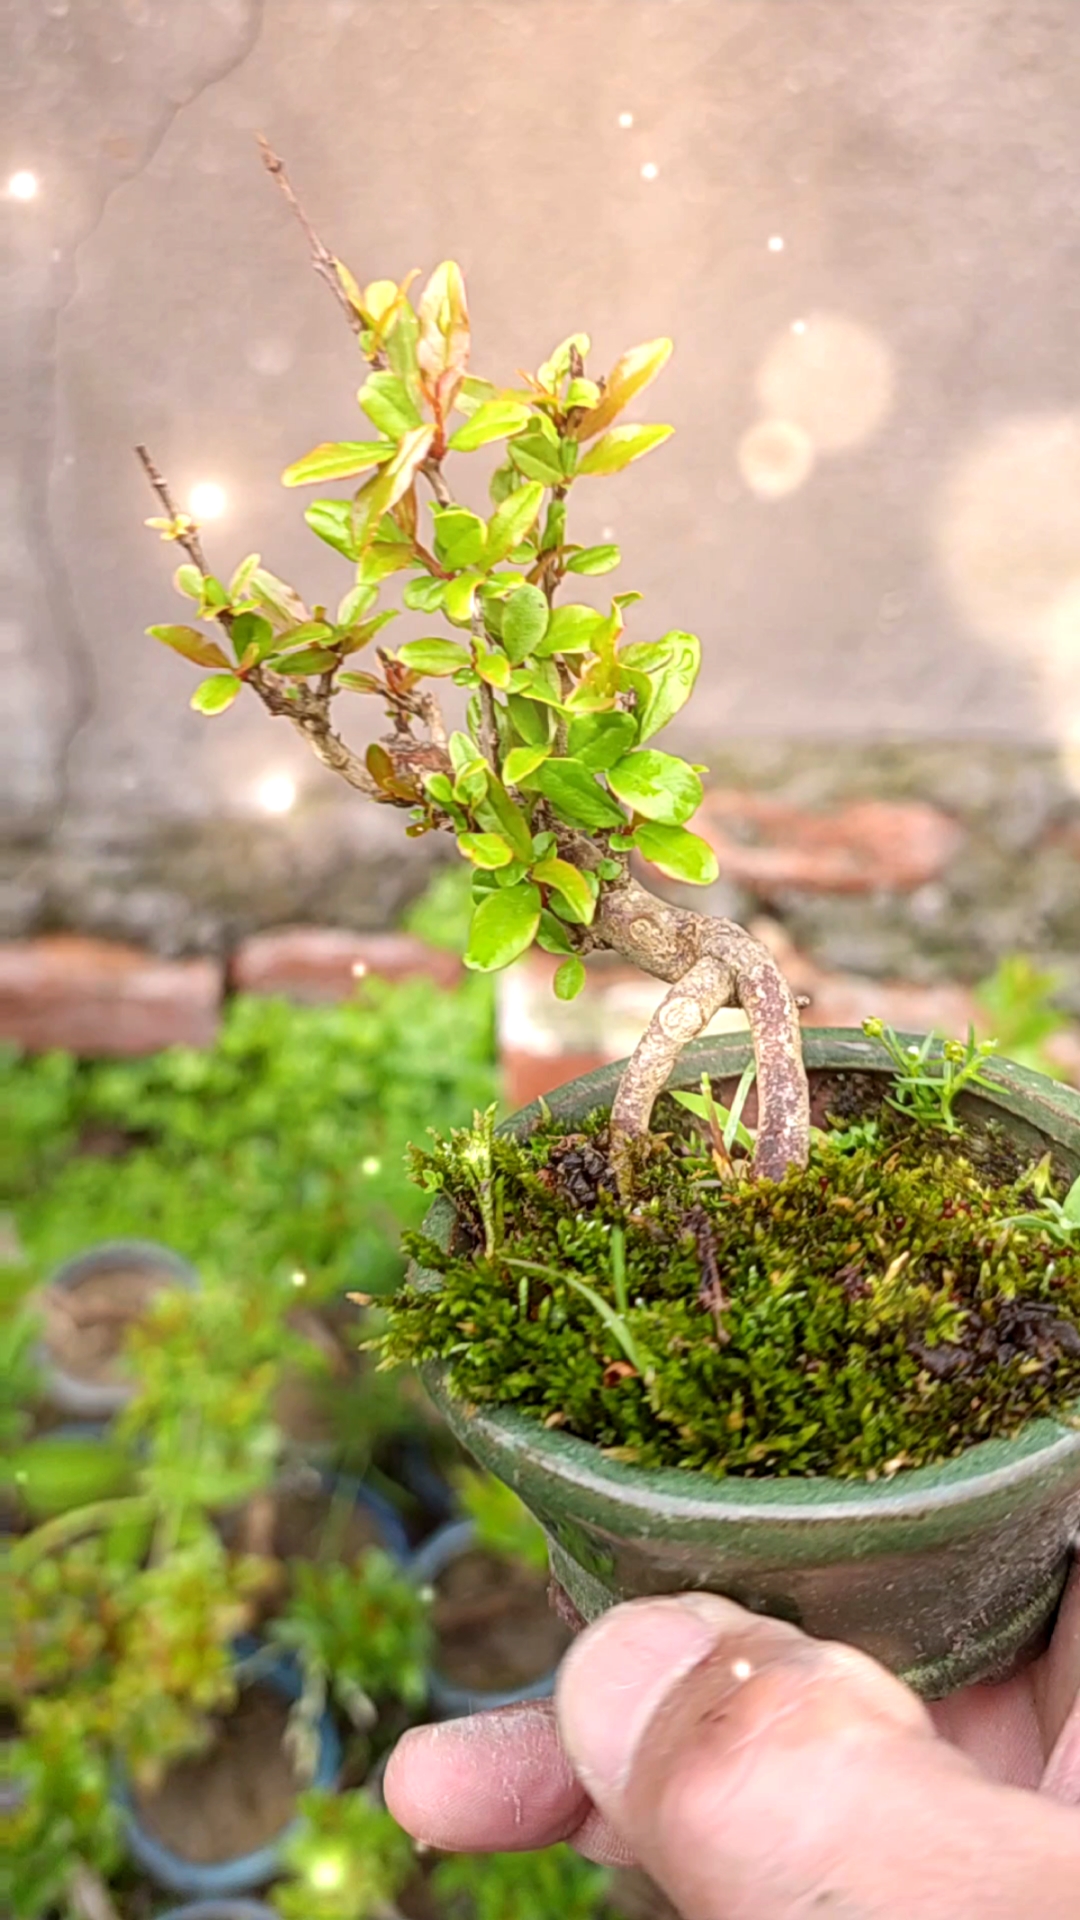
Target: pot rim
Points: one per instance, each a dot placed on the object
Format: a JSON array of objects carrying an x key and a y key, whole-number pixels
[{"x": 991, "y": 1469}]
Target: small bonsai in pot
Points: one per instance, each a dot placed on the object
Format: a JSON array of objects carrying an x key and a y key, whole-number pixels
[{"x": 803, "y": 1346}]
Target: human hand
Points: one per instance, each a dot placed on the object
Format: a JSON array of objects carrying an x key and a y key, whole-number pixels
[{"x": 760, "y": 1775}]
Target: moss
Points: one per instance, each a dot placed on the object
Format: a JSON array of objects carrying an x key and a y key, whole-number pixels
[{"x": 866, "y": 1314}]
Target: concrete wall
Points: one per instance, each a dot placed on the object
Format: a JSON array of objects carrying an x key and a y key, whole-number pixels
[{"x": 858, "y": 220}]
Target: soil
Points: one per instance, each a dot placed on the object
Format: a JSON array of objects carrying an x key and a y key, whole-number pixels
[
  {"x": 236, "y": 1797},
  {"x": 494, "y": 1626},
  {"x": 85, "y": 1328}
]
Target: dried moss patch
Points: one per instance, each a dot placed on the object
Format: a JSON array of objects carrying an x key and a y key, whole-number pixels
[{"x": 867, "y": 1314}]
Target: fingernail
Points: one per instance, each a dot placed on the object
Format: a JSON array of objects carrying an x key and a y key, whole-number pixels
[{"x": 618, "y": 1672}]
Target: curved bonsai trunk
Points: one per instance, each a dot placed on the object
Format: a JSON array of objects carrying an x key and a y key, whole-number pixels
[{"x": 710, "y": 964}]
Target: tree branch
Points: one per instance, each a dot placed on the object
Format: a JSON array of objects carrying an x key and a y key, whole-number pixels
[
  {"x": 189, "y": 541},
  {"x": 322, "y": 259},
  {"x": 710, "y": 964}
]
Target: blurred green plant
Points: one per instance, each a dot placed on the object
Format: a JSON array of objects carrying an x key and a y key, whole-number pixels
[
  {"x": 278, "y": 1149},
  {"x": 522, "y": 1886},
  {"x": 361, "y": 1635},
  {"x": 1018, "y": 1004},
  {"x": 348, "y": 1861},
  {"x": 504, "y": 1526}
]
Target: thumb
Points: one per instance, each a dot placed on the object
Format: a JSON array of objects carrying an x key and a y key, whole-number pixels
[{"x": 760, "y": 1775}]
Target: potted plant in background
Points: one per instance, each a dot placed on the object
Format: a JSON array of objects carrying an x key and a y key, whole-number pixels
[
  {"x": 496, "y": 1638},
  {"x": 626, "y": 1318}
]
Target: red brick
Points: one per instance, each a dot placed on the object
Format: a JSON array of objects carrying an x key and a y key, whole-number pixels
[
  {"x": 98, "y": 998},
  {"x": 868, "y": 846},
  {"x": 320, "y": 964}
]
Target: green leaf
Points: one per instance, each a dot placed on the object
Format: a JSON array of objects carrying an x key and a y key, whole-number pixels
[
  {"x": 594, "y": 560},
  {"x": 194, "y": 646},
  {"x": 658, "y": 785},
  {"x": 492, "y": 420},
  {"x": 459, "y": 598},
  {"x": 436, "y": 657},
  {"x": 460, "y": 537},
  {"x": 540, "y": 680},
  {"x": 360, "y": 683},
  {"x": 553, "y": 371},
  {"x": 552, "y": 935},
  {"x": 575, "y": 795},
  {"x": 492, "y": 666},
  {"x": 389, "y": 405},
  {"x": 251, "y": 630},
  {"x": 217, "y": 693},
  {"x": 496, "y": 812},
  {"x": 1071, "y": 1204},
  {"x": 632, "y": 372},
  {"x": 512, "y": 521},
  {"x": 243, "y": 576},
  {"x": 486, "y": 850},
  {"x": 571, "y": 883},
  {"x": 569, "y": 978},
  {"x": 504, "y": 925},
  {"x": 424, "y": 595},
  {"x": 332, "y": 520},
  {"x": 356, "y": 603},
  {"x": 521, "y": 761},
  {"x": 616, "y": 449},
  {"x": 534, "y": 455},
  {"x": 337, "y": 460},
  {"x": 381, "y": 493},
  {"x": 524, "y": 622},
  {"x": 679, "y": 854},
  {"x": 571, "y": 629},
  {"x": 531, "y": 721},
  {"x": 672, "y": 665},
  {"x": 281, "y": 601},
  {"x": 304, "y": 660},
  {"x": 187, "y": 579},
  {"x": 401, "y": 344},
  {"x": 599, "y": 739},
  {"x": 353, "y": 638}
]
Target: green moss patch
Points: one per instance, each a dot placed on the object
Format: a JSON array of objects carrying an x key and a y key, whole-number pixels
[{"x": 869, "y": 1313}]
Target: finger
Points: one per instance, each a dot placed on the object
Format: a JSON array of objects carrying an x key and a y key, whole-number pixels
[
  {"x": 1059, "y": 1700},
  {"x": 495, "y": 1782},
  {"x": 756, "y": 1773},
  {"x": 998, "y": 1727}
]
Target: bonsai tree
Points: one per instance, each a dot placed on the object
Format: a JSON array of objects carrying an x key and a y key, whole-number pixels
[{"x": 554, "y": 782}]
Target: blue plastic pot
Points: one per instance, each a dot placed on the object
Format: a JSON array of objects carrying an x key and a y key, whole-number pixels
[
  {"x": 100, "y": 1400},
  {"x": 447, "y": 1701},
  {"x": 221, "y": 1910},
  {"x": 248, "y": 1870}
]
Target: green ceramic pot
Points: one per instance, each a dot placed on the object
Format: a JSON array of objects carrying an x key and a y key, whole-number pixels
[{"x": 948, "y": 1574}]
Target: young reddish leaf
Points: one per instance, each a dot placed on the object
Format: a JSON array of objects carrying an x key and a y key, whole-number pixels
[
  {"x": 360, "y": 683},
  {"x": 217, "y": 693},
  {"x": 658, "y": 785},
  {"x": 337, "y": 460},
  {"x": 194, "y": 646},
  {"x": 679, "y": 854},
  {"x": 504, "y": 925},
  {"x": 619, "y": 447},
  {"x": 633, "y": 372},
  {"x": 569, "y": 978},
  {"x": 443, "y": 347},
  {"x": 388, "y": 486}
]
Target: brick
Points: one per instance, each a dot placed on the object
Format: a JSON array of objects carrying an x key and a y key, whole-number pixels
[
  {"x": 316, "y": 965},
  {"x": 100, "y": 999},
  {"x": 867, "y": 846}
]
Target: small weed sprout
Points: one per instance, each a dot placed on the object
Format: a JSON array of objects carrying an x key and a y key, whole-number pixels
[
  {"x": 349, "y": 1860},
  {"x": 724, "y": 1124},
  {"x": 928, "y": 1083},
  {"x": 1058, "y": 1219}
]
